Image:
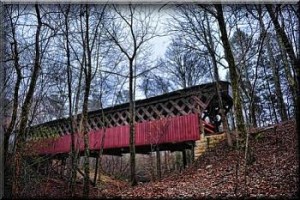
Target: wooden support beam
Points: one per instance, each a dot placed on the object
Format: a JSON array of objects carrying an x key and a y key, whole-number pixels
[
  {"x": 62, "y": 166},
  {"x": 158, "y": 163},
  {"x": 193, "y": 153},
  {"x": 96, "y": 171},
  {"x": 184, "y": 160}
]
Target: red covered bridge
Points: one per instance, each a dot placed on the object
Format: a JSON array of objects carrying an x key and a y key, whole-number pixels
[{"x": 173, "y": 121}]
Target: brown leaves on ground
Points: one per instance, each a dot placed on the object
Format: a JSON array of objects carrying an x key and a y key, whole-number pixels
[{"x": 220, "y": 173}]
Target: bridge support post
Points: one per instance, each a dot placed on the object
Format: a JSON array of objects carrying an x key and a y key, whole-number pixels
[
  {"x": 158, "y": 162},
  {"x": 193, "y": 153},
  {"x": 96, "y": 171},
  {"x": 62, "y": 167},
  {"x": 184, "y": 160}
]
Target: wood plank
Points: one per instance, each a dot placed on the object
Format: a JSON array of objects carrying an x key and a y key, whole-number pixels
[
  {"x": 167, "y": 110},
  {"x": 199, "y": 102},
  {"x": 178, "y": 108},
  {"x": 147, "y": 113},
  {"x": 123, "y": 118}
]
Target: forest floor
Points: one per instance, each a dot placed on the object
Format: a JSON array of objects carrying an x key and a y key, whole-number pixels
[{"x": 218, "y": 173}]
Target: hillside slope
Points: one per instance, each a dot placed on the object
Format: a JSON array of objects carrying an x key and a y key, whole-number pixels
[{"x": 220, "y": 172}]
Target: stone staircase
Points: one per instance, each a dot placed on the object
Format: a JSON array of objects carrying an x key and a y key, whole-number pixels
[{"x": 207, "y": 141}]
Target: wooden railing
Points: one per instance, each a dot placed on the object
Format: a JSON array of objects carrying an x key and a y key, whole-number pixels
[{"x": 208, "y": 128}]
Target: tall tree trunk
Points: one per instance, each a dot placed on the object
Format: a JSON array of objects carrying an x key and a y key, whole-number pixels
[
  {"x": 88, "y": 80},
  {"x": 271, "y": 100},
  {"x": 15, "y": 57},
  {"x": 137, "y": 39},
  {"x": 287, "y": 70},
  {"x": 233, "y": 73},
  {"x": 2, "y": 78},
  {"x": 283, "y": 37},
  {"x": 245, "y": 85},
  {"x": 73, "y": 155},
  {"x": 253, "y": 112},
  {"x": 279, "y": 95},
  {"x": 222, "y": 111},
  {"x": 210, "y": 46},
  {"x": 20, "y": 137},
  {"x": 131, "y": 125},
  {"x": 275, "y": 72},
  {"x": 295, "y": 61},
  {"x": 102, "y": 139},
  {"x": 158, "y": 162}
]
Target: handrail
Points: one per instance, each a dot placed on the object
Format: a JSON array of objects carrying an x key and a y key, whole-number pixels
[{"x": 208, "y": 128}]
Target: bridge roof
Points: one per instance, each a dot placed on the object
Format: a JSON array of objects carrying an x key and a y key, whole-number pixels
[{"x": 168, "y": 96}]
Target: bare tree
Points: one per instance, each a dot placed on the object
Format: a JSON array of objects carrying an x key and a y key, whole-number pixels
[
  {"x": 154, "y": 84},
  {"x": 233, "y": 73},
  {"x": 27, "y": 104},
  {"x": 183, "y": 65},
  {"x": 136, "y": 32},
  {"x": 275, "y": 70},
  {"x": 87, "y": 55},
  {"x": 2, "y": 152},
  {"x": 211, "y": 49},
  {"x": 66, "y": 12},
  {"x": 17, "y": 67},
  {"x": 294, "y": 58},
  {"x": 196, "y": 24}
]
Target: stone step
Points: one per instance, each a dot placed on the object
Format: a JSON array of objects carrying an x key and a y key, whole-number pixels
[
  {"x": 211, "y": 141},
  {"x": 200, "y": 150}
]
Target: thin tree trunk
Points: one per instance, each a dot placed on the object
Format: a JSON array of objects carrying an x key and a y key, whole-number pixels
[
  {"x": 252, "y": 111},
  {"x": 71, "y": 119},
  {"x": 283, "y": 37},
  {"x": 210, "y": 46},
  {"x": 275, "y": 72},
  {"x": 158, "y": 162},
  {"x": 86, "y": 139},
  {"x": 295, "y": 61},
  {"x": 88, "y": 79},
  {"x": 2, "y": 78},
  {"x": 279, "y": 95},
  {"x": 287, "y": 70},
  {"x": 245, "y": 84},
  {"x": 233, "y": 73},
  {"x": 270, "y": 93},
  {"x": 15, "y": 57},
  {"x": 20, "y": 137},
  {"x": 101, "y": 140},
  {"x": 131, "y": 125},
  {"x": 137, "y": 39}
]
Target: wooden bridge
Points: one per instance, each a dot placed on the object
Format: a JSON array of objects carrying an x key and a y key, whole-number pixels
[{"x": 174, "y": 121}]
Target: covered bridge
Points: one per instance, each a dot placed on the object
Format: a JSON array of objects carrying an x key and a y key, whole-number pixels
[{"x": 174, "y": 121}]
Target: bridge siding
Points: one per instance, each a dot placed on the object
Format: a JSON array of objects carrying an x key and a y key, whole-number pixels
[{"x": 167, "y": 130}]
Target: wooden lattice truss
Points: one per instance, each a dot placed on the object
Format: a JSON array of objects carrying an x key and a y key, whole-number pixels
[{"x": 200, "y": 99}]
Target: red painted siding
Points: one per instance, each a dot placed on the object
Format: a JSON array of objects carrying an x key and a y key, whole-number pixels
[{"x": 168, "y": 130}]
